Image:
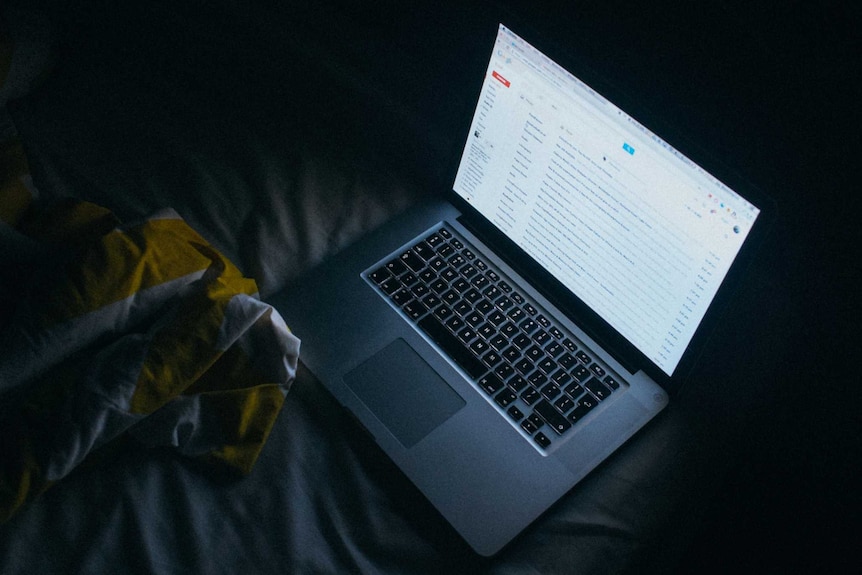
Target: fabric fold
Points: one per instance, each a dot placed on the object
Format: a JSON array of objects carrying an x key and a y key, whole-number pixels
[{"x": 145, "y": 331}]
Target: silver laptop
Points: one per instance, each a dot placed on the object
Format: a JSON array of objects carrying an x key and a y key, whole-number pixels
[{"x": 501, "y": 342}]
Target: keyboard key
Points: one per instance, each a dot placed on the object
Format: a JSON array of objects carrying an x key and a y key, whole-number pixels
[
  {"x": 564, "y": 404},
  {"x": 455, "y": 323},
  {"x": 542, "y": 440},
  {"x": 456, "y": 261},
  {"x": 505, "y": 398},
  {"x": 547, "y": 365},
  {"x": 524, "y": 365},
  {"x": 412, "y": 261},
  {"x": 561, "y": 377},
  {"x": 554, "y": 349},
  {"x": 537, "y": 378},
  {"x": 504, "y": 303},
  {"x": 515, "y": 413},
  {"x": 543, "y": 321},
  {"x": 570, "y": 345},
  {"x": 480, "y": 282},
  {"x": 445, "y": 233},
  {"x": 584, "y": 358},
  {"x": 529, "y": 427},
  {"x": 483, "y": 306},
  {"x": 551, "y": 391},
  {"x": 437, "y": 264},
  {"x": 443, "y": 313},
  {"x": 425, "y": 251},
  {"x": 379, "y": 275},
  {"x": 439, "y": 286},
  {"x": 474, "y": 319},
  {"x": 479, "y": 347},
  {"x": 427, "y": 275},
  {"x": 598, "y": 370},
  {"x": 390, "y": 285},
  {"x": 486, "y": 331},
  {"x": 504, "y": 371},
  {"x": 472, "y": 295},
  {"x": 498, "y": 342},
  {"x": 597, "y": 388},
  {"x": 445, "y": 251},
  {"x": 491, "y": 383},
  {"x": 554, "y": 418},
  {"x": 462, "y": 308},
  {"x": 516, "y": 314},
  {"x": 528, "y": 307},
  {"x": 448, "y": 274},
  {"x": 575, "y": 390},
  {"x": 431, "y": 301},
  {"x": 536, "y": 420},
  {"x": 396, "y": 267},
  {"x": 517, "y": 383},
  {"x": 491, "y": 292},
  {"x": 512, "y": 354},
  {"x": 415, "y": 309},
  {"x": 529, "y": 325},
  {"x": 521, "y": 341},
  {"x": 435, "y": 240},
  {"x": 530, "y": 396},
  {"x": 466, "y": 335},
  {"x": 420, "y": 290},
  {"x": 496, "y": 318},
  {"x": 460, "y": 285},
  {"x": 580, "y": 373},
  {"x": 534, "y": 353},
  {"x": 401, "y": 296},
  {"x": 451, "y": 297},
  {"x": 542, "y": 337},
  {"x": 567, "y": 360},
  {"x": 583, "y": 407},
  {"x": 492, "y": 358},
  {"x": 612, "y": 383},
  {"x": 450, "y": 344},
  {"x": 509, "y": 329}
]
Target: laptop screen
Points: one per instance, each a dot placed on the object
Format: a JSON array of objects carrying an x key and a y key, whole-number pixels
[{"x": 637, "y": 231}]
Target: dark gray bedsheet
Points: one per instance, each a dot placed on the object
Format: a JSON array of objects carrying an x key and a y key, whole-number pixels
[{"x": 281, "y": 152}]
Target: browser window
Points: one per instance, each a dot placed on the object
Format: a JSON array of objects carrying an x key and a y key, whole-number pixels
[{"x": 637, "y": 231}]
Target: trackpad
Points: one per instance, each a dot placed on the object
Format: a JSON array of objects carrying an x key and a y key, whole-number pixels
[{"x": 404, "y": 392}]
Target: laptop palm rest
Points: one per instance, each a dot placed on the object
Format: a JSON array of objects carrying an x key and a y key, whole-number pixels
[{"x": 403, "y": 392}]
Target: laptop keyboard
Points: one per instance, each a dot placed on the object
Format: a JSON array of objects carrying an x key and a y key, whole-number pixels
[{"x": 538, "y": 375}]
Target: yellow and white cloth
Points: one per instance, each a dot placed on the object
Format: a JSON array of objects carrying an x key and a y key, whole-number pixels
[{"x": 141, "y": 331}]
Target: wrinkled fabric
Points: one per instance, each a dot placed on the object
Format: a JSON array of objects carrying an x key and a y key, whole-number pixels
[{"x": 144, "y": 330}]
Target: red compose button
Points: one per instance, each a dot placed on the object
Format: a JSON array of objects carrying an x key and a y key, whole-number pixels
[{"x": 502, "y": 80}]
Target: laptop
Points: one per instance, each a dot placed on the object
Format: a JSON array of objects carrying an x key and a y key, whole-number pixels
[{"x": 501, "y": 341}]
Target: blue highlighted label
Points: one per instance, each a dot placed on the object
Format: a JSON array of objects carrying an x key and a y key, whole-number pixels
[{"x": 628, "y": 149}]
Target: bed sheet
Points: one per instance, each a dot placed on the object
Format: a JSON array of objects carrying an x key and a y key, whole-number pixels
[{"x": 279, "y": 164}]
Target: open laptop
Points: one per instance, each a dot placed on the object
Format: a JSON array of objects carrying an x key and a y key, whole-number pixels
[{"x": 501, "y": 342}]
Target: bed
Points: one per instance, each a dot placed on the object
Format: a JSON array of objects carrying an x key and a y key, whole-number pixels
[{"x": 281, "y": 146}]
